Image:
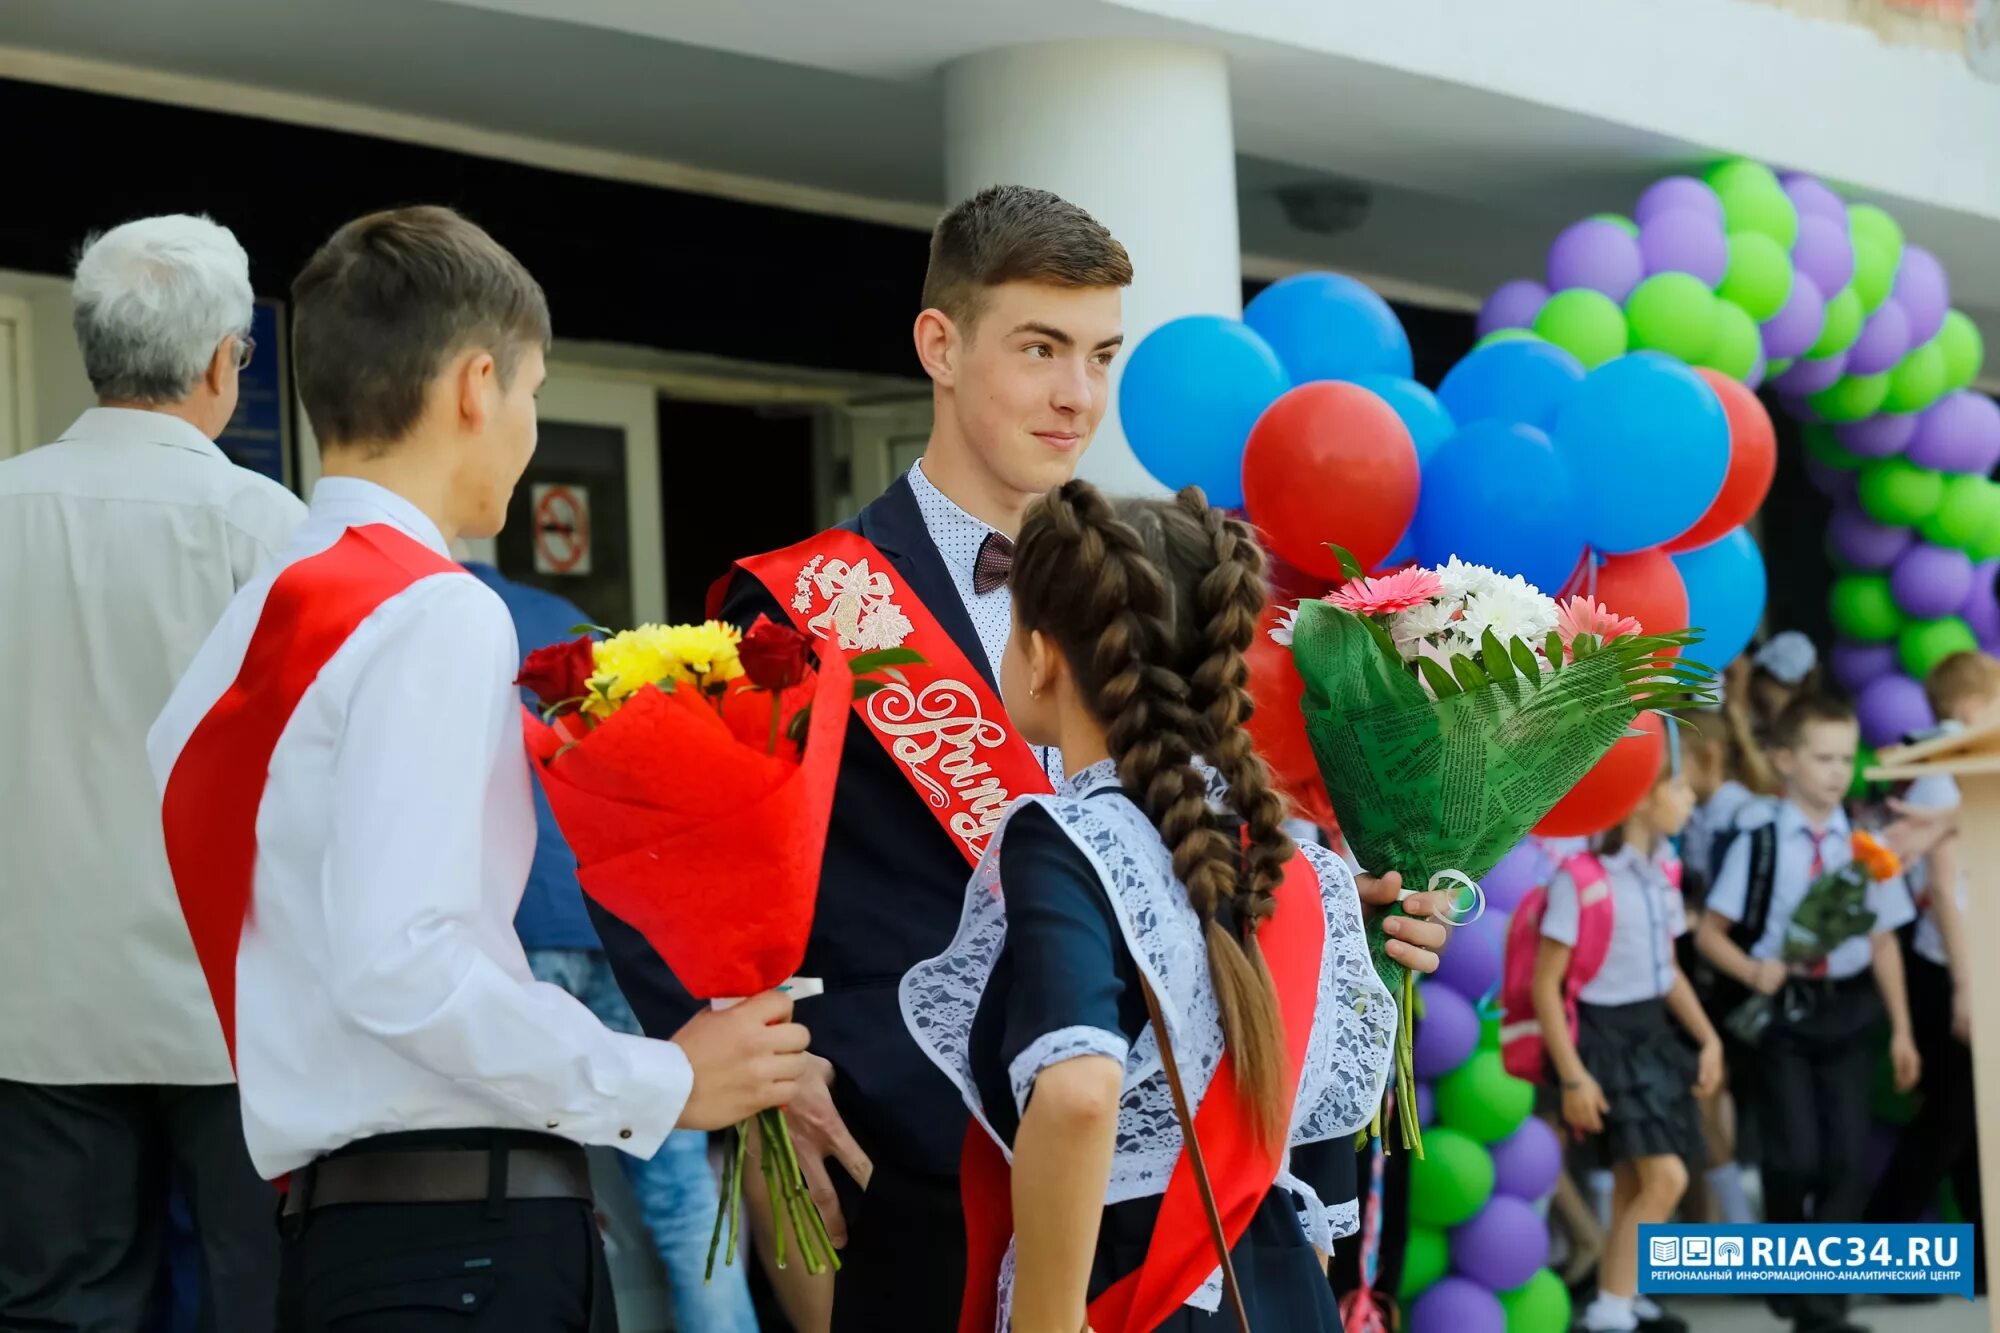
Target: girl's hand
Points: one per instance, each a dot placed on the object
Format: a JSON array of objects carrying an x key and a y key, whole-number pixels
[
  {"x": 1708, "y": 1068},
  {"x": 1584, "y": 1106},
  {"x": 1414, "y": 939},
  {"x": 1961, "y": 1015},
  {"x": 1903, "y": 1056}
]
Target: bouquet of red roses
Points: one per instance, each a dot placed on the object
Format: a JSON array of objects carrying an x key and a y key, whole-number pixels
[{"x": 692, "y": 771}]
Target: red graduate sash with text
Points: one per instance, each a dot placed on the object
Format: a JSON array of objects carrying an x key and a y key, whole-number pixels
[
  {"x": 1181, "y": 1254},
  {"x": 942, "y": 724},
  {"x": 217, "y": 783}
]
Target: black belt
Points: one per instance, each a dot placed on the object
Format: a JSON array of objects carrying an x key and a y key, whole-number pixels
[{"x": 398, "y": 1171}]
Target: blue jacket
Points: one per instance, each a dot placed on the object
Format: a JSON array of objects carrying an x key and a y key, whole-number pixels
[
  {"x": 551, "y": 914},
  {"x": 891, "y": 889}
]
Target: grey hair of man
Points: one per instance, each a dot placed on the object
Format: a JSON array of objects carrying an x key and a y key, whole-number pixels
[{"x": 155, "y": 297}]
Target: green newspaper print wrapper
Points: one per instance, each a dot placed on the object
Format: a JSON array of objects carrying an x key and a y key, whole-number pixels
[{"x": 1423, "y": 784}]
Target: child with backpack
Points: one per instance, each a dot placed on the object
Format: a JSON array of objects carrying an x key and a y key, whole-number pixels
[{"x": 1606, "y": 991}]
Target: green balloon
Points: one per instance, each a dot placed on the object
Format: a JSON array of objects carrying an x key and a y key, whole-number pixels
[
  {"x": 1922, "y": 644},
  {"x": 1451, "y": 1181},
  {"x": 1673, "y": 313},
  {"x": 1540, "y": 1306},
  {"x": 1874, "y": 273},
  {"x": 1779, "y": 367},
  {"x": 1864, "y": 759},
  {"x": 1426, "y": 1258},
  {"x": 1842, "y": 327},
  {"x": 1986, "y": 546},
  {"x": 1866, "y": 222},
  {"x": 1759, "y": 277},
  {"x": 1898, "y": 492},
  {"x": 1863, "y": 608},
  {"x": 1508, "y": 336},
  {"x": 1917, "y": 381},
  {"x": 1852, "y": 397},
  {"x": 1824, "y": 445},
  {"x": 1737, "y": 342},
  {"x": 1618, "y": 220},
  {"x": 1970, "y": 508},
  {"x": 1753, "y": 200},
  {"x": 1482, "y": 1099},
  {"x": 1964, "y": 349},
  {"x": 1586, "y": 324}
]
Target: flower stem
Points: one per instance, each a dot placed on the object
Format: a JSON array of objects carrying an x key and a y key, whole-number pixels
[{"x": 777, "y": 719}]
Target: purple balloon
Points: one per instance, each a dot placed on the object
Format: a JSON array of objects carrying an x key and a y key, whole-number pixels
[
  {"x": 1825, "y": 253},
  {"x": 1878, "y": 436},
  {"x": 1596, "y": 254},
  {"x": 1883, "y": 341},
  {"x": 1794, "y": 329},
  {"x": 1759, "y": 368},
  {"x": 1831, "y": 482},
  {"x": 1682, "y": 240},
  {"x": 1513, "y": 305},
  {"x": 1426, "y": 1105},
  {"x": 1810, "y": 196},
  {"x": 1678, "y": 192},
  {"x": 1982, "y": 605},
  {"x": 1527, "y": 1162},
  {"x": 1959, "y": 433},
  {"x": 1856, "y": 665},
  {"x": 1457, "y": 1305},
  {"x": 1447, "y": 1033},
  {"x": 1502, "y": 1245},
  {"x": 1809, "y": 377},
  {"x": 1518, "y": 871},
  {"x": 1891, "y": 707},
  {"x": 1924, "y": 293},
  {"x": 1475, "y": 970},
  {"x": 1858, "y": 540},
  {"x": 1931, "y": 581}
]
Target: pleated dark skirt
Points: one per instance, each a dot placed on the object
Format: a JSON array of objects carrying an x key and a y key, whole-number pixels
[{"x": 1647, "y": 1072}]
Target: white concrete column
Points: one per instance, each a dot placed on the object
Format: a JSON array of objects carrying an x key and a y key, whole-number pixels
[{"x": 1138, "y": 134}]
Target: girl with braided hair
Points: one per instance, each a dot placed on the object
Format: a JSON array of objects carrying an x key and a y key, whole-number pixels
[{"x": 1155, "y": 899}]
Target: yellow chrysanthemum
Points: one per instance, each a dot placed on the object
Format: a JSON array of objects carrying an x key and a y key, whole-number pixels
[{"x": 699, "y": 655}]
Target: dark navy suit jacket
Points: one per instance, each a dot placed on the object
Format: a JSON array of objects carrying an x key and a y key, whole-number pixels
[{"x": 891, "y": 891}]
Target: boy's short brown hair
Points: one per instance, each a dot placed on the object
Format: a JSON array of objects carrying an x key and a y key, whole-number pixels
[
  {"x": 1964, "y": 677},
  {"x": 387, "y": 301},
  {"x": 1803, "y": 712},
  {"x": 1011, "y": 233}
]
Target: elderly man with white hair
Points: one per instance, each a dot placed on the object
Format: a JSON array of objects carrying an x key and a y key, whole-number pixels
[{"x": 120, "y": 545}]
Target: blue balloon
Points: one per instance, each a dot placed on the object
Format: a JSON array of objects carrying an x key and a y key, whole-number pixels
[
  {"x": 1648, "y": 441},
  {"x": 1496, "y": 494},
  {"x": 1190, "y": 394},
  {"x": 1328, "y": 327},
  {"x": 1430, "y": 426},
  {"x": 1725, "y": 586},
  {"x": 1525, "y": 380}
]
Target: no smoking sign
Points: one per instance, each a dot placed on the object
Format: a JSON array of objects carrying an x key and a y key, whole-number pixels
[{"x": 562, "y": 529}]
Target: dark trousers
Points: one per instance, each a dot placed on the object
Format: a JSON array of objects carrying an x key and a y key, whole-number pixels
[
  {"x": 1814, "y": 1097},
  {"x": 1942, "y": 1141},
  {"x": 904, "y": 1266},
  {"x": 84, "y": 1176}
]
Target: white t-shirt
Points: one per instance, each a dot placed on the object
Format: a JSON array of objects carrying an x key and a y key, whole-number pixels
[{"x": 1646, "y": 918}]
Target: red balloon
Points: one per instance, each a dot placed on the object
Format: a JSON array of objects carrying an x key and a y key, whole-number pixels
[
  {"x": 1612, "y": 790},
  {"x": 1330, "y": 462},
  {"x": 1278, "y": 727},
  {"x": 1645, "y": 585},
  {"x": 1753, "y": 461}
]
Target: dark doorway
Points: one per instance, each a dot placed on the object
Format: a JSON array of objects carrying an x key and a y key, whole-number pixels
[{"x": 735, "y": 481}]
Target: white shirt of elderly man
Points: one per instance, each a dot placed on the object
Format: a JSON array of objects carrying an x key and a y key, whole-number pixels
[{"x": 120, "y": 544}]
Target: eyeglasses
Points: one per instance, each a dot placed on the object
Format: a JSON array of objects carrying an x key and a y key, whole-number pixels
[{"x": 246, "y": 347}]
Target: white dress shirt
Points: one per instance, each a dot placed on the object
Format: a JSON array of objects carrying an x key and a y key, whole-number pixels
[
  {"x": 1647, "y": 916},
  {"x": 1936, "y": 792},
  {"x": 380, "y": 985},
  {"x": 1887, "y": 898},
  {"x": 958, "y": 537},
  {"x": 120, "y": 545}
]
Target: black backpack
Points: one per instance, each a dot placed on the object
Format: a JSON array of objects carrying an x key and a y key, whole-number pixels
[{"x": 1720, "y": 993}]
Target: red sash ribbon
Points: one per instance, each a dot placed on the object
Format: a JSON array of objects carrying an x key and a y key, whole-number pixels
[
  {"x": 948, "y": 733},
  {"x": 217, "y": 784}
]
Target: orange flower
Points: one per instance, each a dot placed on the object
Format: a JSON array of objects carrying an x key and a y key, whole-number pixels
[{"x": 1877, "y": 860}]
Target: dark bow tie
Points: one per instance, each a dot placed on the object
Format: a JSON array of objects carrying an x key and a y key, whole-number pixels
[{"x": 996, "y": 557}]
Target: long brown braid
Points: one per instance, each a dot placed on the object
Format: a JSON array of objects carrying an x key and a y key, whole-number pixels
[{"x": 1153, "y": 604}]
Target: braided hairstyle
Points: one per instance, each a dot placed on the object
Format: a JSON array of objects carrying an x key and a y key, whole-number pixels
[{"x": 1154, "y": 604}]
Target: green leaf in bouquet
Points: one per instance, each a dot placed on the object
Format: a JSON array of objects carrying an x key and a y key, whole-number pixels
[
  {"x": 1350, "y": 568},
  {"x": 1552, "y": 648},
  {"x": 1494, "y": 654},
  {"x": 1467, "y": 671},
  {"x": 1441, "y": 682},
  {"x": 1529, "y": 665},
  {"x": 864, "y": 688},
  {"x": 863, "y": 663},
  {"x": 1582, "y": 646},
  {"x": 578, "y": 631}
]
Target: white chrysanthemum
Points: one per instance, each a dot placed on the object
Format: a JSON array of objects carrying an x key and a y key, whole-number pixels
[
  {"x": 1282, "y": 632},
  {"x": 1420, "y": 622},
  {"x": 1512, "y": 609},
  {"x": 1462, "y": 580}
]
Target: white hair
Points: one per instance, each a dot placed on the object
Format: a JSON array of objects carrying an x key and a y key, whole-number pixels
[{"x": 153, "y": 299}]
